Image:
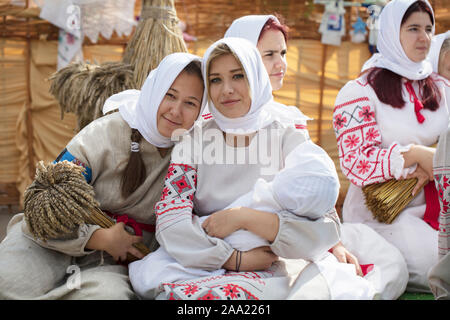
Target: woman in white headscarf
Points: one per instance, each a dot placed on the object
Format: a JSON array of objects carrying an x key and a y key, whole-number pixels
[
  {"x": 385, "y": 122},
  {"x": 270, "y": 37},
  {"x": 213, "y": 167},
  {"x": 126, "y": 155},
  {"x": 439, "y": 54}
]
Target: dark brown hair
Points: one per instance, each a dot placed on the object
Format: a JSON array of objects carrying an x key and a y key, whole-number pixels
[
  {"x": 134, "y": 174},
  {"x": 388, "y": 85}
]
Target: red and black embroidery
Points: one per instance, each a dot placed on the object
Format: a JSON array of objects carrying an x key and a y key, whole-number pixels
[{"x": 230, "y": 286}]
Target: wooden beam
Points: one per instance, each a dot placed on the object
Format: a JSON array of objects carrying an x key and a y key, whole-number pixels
[
  {"x": 322, "y": 87},
  {"x": 28, "y": 114}
]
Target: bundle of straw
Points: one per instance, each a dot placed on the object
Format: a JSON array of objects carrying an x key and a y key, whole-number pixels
[
  {"x": 157, "y": 35},
  {"x": 83, "y": 88},
  {"x": 60, "y": 200},
  {"x": 386, "y": 200}
]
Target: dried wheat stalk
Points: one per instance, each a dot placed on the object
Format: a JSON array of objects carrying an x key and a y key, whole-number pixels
[
  {"x": 60, "y": 200},
  {"x": 386, "y": 200},
  {"x": 83, "y": 88}
]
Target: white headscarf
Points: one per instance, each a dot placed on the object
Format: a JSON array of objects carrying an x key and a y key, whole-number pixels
[
  {"x": 391, "y": 54},
  {"x": 263, "y": 109},
  {"x": 139, "y": 108},
  {"x": 258, "y": 80},
  {"x": 435, "y": 49},
  {"x": 248, "y": 27}
]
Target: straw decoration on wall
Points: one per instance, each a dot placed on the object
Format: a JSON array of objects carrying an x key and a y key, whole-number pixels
[
  {"x": 60, "y": 200},
  {"x": 83, "y": 88},
  {"x": 157, "y": 35},
  {"x": 386, "y": 200}
]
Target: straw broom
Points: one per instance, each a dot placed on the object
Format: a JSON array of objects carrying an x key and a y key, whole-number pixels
[
  {"x": 386, "y": 200},
  {"x": 83, "y": 88},
  {"x": 60, "y": 200},
  {"x": 157, "y": 35}
]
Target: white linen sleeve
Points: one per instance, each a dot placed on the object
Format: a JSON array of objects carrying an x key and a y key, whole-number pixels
[
  {"x": 300, "y": 236},
  {"x": 178, "y": 230}
]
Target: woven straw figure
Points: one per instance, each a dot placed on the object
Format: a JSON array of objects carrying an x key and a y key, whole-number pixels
[{"x": 60, "y": 200}]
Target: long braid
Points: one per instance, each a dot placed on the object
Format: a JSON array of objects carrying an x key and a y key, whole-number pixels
[{"x": 134, "y": 173}]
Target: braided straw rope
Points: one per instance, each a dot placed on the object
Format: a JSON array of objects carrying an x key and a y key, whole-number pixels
[
  {"x": 386, "y": 200},
  {"x": 59, "y": 200}
]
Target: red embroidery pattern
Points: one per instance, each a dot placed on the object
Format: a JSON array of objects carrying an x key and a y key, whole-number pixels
[
  {"x": 230, "y": 286},
  {"x": 361, "y": 157},
  {"x": 207, "y": 116}
]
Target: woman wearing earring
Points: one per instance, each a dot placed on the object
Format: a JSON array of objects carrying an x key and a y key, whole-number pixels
[
  {"x": 126, "y": 155},
  {"x": 385, "y": 122}
]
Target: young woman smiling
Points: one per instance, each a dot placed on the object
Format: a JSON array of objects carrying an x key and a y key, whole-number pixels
[{"x": 126, "y": 155}]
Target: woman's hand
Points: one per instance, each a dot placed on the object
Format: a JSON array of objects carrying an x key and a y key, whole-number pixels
[
  {"x": 421, "y": 155},
  {"x": 222, "y": 223},
  {"x": 116, "y": 241},
  {"x": 422, "y": 179},
  {"x": 344, "y": 256},
  {"x": 257, "y": 259}
]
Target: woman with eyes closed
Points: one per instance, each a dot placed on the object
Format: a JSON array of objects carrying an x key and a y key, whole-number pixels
[
  {"x": 270, "y": 37},
  {"x": 399, "y": 108},
  {"x": 126, "y": 155},
  {"x": 211, "y": 168}
]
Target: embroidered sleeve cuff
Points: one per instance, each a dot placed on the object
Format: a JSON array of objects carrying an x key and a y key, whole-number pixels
[{"x": 398, "y": 162}]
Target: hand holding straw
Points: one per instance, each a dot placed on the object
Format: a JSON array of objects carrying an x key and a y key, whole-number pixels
[
  {"x": 386, "y": 200},
  {"x": 60, "y": 200}
]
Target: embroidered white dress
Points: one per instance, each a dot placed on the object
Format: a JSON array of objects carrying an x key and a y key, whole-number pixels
[
  {"x": 371, "y": 136},
  {"x": 163, "y": 276}
]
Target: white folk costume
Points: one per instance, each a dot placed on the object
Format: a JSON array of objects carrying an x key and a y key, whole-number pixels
[
  {"x": 31, "y": 269},
  {"x": 393, "y": 282},
  {"x": 439, "y": 275},
  {"x": 371, "y": 137},
  {"x": 195, "y": 186}
]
